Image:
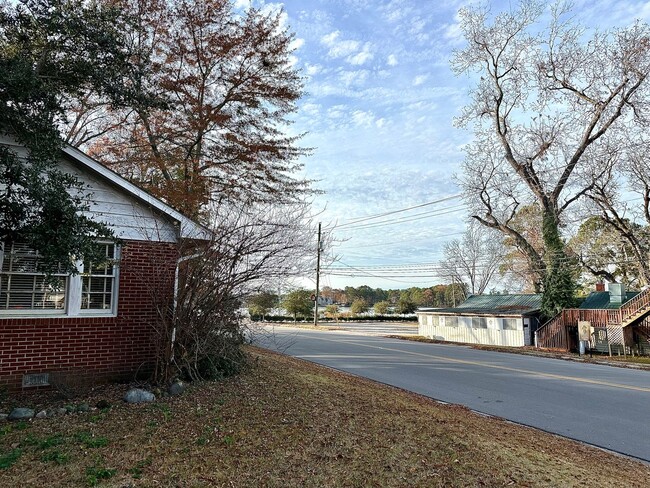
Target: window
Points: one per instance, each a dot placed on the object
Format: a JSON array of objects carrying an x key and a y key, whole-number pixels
[
  {"x": 479, "y": 322},
  {"x": 451, "y": 321},
  {"x": 22, "y": 287},
  {"x": 433, "y": 320},
  {"x": 510, "y": 324},
  {"x": 98, "y": 281},
  {"x": 24, "y": 290}
]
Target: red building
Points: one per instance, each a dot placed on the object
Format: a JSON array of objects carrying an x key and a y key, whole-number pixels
[{"x": 97, "y": 325}]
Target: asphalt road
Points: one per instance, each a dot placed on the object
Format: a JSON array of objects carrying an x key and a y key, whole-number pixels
[{"x": 604, "y": 406}]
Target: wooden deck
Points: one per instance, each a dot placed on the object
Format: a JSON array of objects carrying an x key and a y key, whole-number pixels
[{"x": 561, "y": 331}]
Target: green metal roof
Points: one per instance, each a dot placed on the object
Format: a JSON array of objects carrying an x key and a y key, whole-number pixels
[
  {"x": 495, "y": 304},
  {"x": 600, "y": 300}
]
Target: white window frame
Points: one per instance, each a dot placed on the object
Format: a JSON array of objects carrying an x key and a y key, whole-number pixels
[
  {"x": 518, "y": 323},
  {"x": 73, "y": 294}
]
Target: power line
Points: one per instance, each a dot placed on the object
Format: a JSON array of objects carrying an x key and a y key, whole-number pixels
[
  {"x": 406, "y": 209},
  {"x": 402, "y": 220}
]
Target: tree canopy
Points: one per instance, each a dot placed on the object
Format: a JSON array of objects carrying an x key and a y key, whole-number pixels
[
  {"x": 229, "y": 88},
  {"x": 50, "y": 52},
  {"x": 551, "y": 105}
]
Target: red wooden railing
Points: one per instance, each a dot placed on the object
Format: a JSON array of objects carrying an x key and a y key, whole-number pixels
[
  {"x": 554, "y": 334},
  {"x": 632, "y": 306}
]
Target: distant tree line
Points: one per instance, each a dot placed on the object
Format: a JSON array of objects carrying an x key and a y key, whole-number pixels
[{"x": 433, "y": 296}]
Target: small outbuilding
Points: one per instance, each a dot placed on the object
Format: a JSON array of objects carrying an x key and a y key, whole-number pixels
[{"x": 500, "y": 320}]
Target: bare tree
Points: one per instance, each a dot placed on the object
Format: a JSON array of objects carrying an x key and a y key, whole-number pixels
[
  {"x": 629, "y": 220},
  {"x": 474, "y": 259},
  {"x": 200, "y": 332},
  {"x": 546, "y": 104}
]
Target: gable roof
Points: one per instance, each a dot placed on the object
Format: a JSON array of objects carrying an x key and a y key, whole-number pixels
[
  {"x": 601, "y": 300},
  {"x": 189, "y": 229},
  {"x": 495, "y": 305}
]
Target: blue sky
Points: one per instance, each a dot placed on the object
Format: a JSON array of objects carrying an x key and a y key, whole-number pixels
[{"x": 379, "y": 110}]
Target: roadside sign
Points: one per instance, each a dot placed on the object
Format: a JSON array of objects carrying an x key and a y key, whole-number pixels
[{"x": 584, "y": 330}]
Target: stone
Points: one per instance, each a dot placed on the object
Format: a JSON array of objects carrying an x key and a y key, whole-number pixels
[
  {"x": 177, "y": 388},
  {"x": 42, "y": 414},
  {"x": 137, "y": 395},
  {"x": 3, "y": 416},
  {"x": 83, "y": 407},
  {"x": 21, "y": 414},
  {"x": 60, "y": 411}
]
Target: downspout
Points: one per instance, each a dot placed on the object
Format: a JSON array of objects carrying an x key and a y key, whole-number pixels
[{"x": 180, "y": 260}]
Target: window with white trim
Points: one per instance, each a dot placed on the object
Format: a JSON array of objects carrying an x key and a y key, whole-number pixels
[
  {"x": 25, "y": 291},
  {"x": 511, "y": 324},
  {"x": 451, "y": 321},
  {"x": 479, "y": 323},
  {"x": 98, "y": 281},
  {"x": 22, "y": 287}
]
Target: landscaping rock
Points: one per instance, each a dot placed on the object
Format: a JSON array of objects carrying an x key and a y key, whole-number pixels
[
  {"x": 137, "y": 395},
  {"x": 21, "y": 414},
  {"x": 177, "y": 388},
  {"x": 42, "y": 414},
  {"x": 83, "y": 407},
  {"x": 60, "y": 411}
]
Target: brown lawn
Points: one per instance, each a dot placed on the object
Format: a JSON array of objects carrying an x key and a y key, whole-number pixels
[{"x": 287, "y": 423}]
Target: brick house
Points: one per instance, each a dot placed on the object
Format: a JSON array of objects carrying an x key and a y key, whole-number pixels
[{"x": 97, "y": 325}]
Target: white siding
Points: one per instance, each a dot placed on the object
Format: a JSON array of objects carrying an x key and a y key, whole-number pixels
[
  {"x": 128, "y": 218},
  {"x": 493, "y": 335},
  {"x": 126, "y": 215}
]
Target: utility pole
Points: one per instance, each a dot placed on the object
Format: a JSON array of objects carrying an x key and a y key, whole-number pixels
[{"x": 318, "y": 251}]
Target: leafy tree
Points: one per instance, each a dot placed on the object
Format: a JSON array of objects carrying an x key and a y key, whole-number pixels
[
  {"x": 50, "y": 53},
  {"x": 455, "y": 294},
  {"x": 382, "y": 308},
  {"x": 545, "y": 109},
  {"x": 298, "y": 302},
  {"x": 359, "y": 306},
  {"x": 230, "y": 87},
  {"x": 405, "y": 306},
  {"x": 604, "y": 254},
  {"x": 332, "y": 311},
  {"x": 261, "y": 303}
]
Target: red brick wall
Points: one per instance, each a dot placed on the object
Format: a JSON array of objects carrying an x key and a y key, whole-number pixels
[{"x": 95, "y": 349}]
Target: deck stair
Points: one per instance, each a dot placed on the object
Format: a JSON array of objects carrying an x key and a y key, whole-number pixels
[{"x": 555, "y": 334}]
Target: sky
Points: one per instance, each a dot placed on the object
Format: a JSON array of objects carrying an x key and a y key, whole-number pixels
[{"x": 378, "y": 111}]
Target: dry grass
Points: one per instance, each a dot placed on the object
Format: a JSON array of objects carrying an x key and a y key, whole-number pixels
[{"x": 289, "y": 423}]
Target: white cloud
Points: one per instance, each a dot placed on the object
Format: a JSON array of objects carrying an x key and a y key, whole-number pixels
[
  {"x": 363, "y": 119},
  {"x": 392, "y": 60},
  {"x": 330, "y": 39},
  {"x": 419, "y": 80},
  {"x": 242, "y": 4},
  {"x": 313, "y": 69},
  {"x": 339, "y": 48},
  {"x": 362, "y": 56},
  {"x": 380, "y": 123},
  {"x": 297, "y": 43},
  {"x": 357, "y": 77}
]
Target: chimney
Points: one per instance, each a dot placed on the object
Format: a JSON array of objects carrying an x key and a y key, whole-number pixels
[
  {"x": 616, "y": 292},
  {"x": 600, "y": 286}
]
